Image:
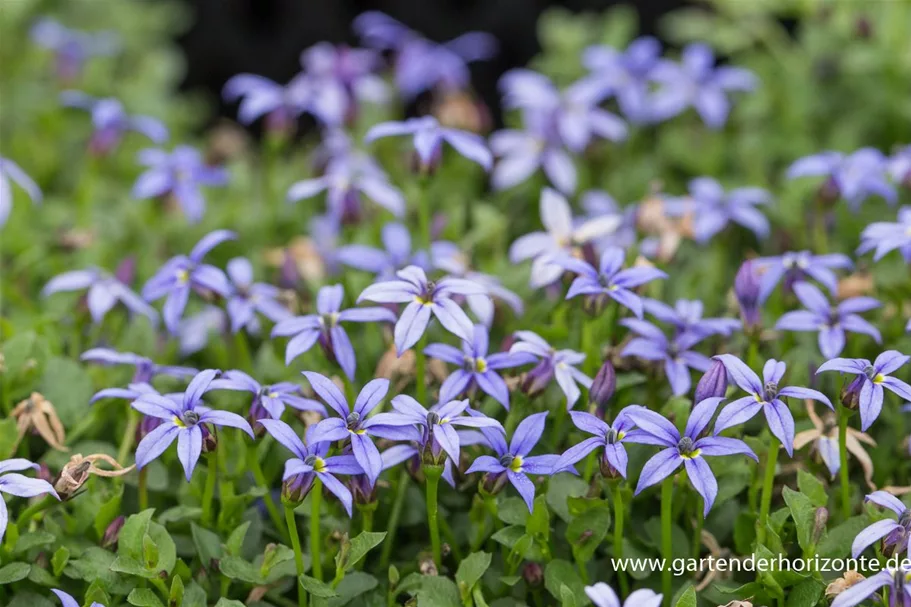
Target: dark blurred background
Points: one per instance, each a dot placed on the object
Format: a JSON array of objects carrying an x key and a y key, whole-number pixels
[{"x": 266, "y": 36}]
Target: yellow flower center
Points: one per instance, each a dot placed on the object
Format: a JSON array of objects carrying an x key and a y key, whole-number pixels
[
  {"x": 516, "y": 464},
  {"x": 480, "y": 364},
  {"x": 878, "y": 378},
  {"x": 183, "y": 277}
]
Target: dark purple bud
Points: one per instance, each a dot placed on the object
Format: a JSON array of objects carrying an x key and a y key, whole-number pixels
[
  {"x": 438, "y": 225},
  {"x": 360, "y": 488},
  {"x": 607, "y": 470},
  {"x": 896, "y": 541},
  {"x": 288, "y": 276},
  {"x": 147, "y": 424},
  {"x": 209, "y": 439},
  {"x": 714, "y": 383},
  {"x": 850, "y": 393},
  {"x": 257, "y": 412},
  {"x": 493, "y": 483},
  {"x": 126, "y": 271},
  {"x": 594, "y": 305},
  {"x": 603, "y": 388},
  {"x": 112, "y": 533},
  {"x": 537, "y": 380},
  {"x": 296, "y": 488},
  {"x": 864, "y": 28},
  {"x": 746, "y": 287},
  {"x": 533, "y": 574}
]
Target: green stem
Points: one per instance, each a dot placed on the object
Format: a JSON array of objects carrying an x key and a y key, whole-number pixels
[
  {"x": 316, "y": 554},
  {"x": 667, "y": 546},
  {"x": 208, "y": 495},
  {"x": 843, "y": 414},
  {"x": 433, "y": 474},
  {"x": 260, "y": 478},
  {"x": 697, "y": 532},
  {"x": 129, "y": 435},
  {"x": 619, "y": 512},
  {"x": 298, "y": 553},
  {"x": 242, "y": 349},
  {"x": 424, "y": 211},
  {"x": 143, "y": 489},
  {"x": 768, "y": 482},
  {"x": 420, "y": 372},
  {"x": 393, "y": 523},
  {"x": 29, "y": 513}
]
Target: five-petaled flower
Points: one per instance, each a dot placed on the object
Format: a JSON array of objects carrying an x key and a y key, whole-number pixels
[
  {"x": 894, "y": 534},
  {"x": 180, "y": 173},
  {"x": 794, "y": 267},
  {"x": 424, "y": 297},
  {"x": 764, "y": 395},
  {"x": 714, "y": 208},
  {"x": 477, "y": 367},
  {"x": 881, "y": 237},
  {"x": 272, "y": 397},
  {"x": 552, "y": 364},
  {"x": 182, "y": 273},
  {"x": 19, "y": 486},
  {"x": 248, "y": 297},
  {"x": 104, "y": 291},
  {"x": 603, "y": 595},
  {"x": 676, "y": 353},
  {"x": 689, "y": 449},
  {"x": 184, "y": 422},
  {"x": 896, "y": 580},
  {"x": 325, "y": 327},
  {"x": 855, "y": 177},
  {"x": 395, "y": 255},
  {"x": 111, "y": 121},
  {"x": 311, "y": 463},
  {"x": 871, "y": 379},
  {"x": 830, "y": 321},
  {"x": 627, "y": 75},
  {"x": 429, "y": 136},
  {"x": 67, "y": 600},
  {"x": 610, "y": 437},
  {"x": 686, "y": 317}
]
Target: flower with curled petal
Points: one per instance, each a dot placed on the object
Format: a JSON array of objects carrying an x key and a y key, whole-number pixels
[
  {"x": 854, "y": 177},
  {"x": 689, "y": 449},
  {"x": 882, "y": 237},
  {"x": 146, "y": 369},
  {"x": 873, "y": 377},
  {"x": 424, "y": 298},
  {"x": 10, "y": 171},
  {"x": 713, "y": 208},
  {"x": 560, "y": 240},
  {"x": 19, "y": 486},
  {"x": 184, "y": 422},
  {"x": 824, "y": 435},
  {"x": 183, "y": 273},
  {"x": 552, "y": 364},
  {"x": 793, "y": 267},
  {"x": 104, "y": 291},
  {"x": 325, "y": 327},
  {"x": 311, "y": 463},
  {"x": 603, "y": 595},
  {"x": 37, "y": 414},
  {"x": 513, "y": 460},
  {"x": 428, "y": 137},
  {"x": 111, "y": 121},
  {"x": 686, "y": 317},
  {"x": 894, "y": 534},
  {"x": 766, "y": 396},
  {"x": 248, "y": 297},
  {"x": 395, "y": 255},
  {"x": 72, "y": 47},
  {"x": 477, "y": 368},
  {"x": 831, "y": 321}
]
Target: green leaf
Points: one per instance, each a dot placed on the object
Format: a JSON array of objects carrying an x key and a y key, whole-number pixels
[
  {"x": 208, "y": 545},
  {"x": 8, "y": 435},
  {"x": 235, "y": 541},
  {"x": 66, "y": 384},
  {"x": 223, "y": 602},
  {"x": 317, "y": 588},
  {"x": 194, "y": 596},
  {"x": 33, "y": 540},
  {"x": 143, "y": 597},
  {"x": 357, "y": 548},
  {"x": 135, "y": 528},
  {"x": 149, "y": 551},
  {"x": 587, "y": 531},
  {"x": 558, "y": 573},
  {"x": 538, "y": 524},
  {"x": 59, "y": 560},
  {"x": 14, "y": 572},
  {"x": 237, "y": 568},
  {"x": 512, "y": 510},
  {"x": 108, "y": 512},
  {"x": 353, "y": 585},
  {"x": 813, "y": 488},
  {"x": 837, "y": 544},
  {"x": 567, "y": 598},
  {"x": 687, "y": 599},
  {"x": 804, "y": 514},
  {"x": 470, "y": 571},
  {"x": 30, "y": 599},
  {"x": 175, "y": 597},
  {"x": 559, "y": 489},
  {"x": 805, "y": 594},
  {"x": 436, "y": 591},
  {"x": 167, "y": 550}
]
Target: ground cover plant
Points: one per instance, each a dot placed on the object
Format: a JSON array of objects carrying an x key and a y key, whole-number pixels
[{"x": 661, "y": 314}]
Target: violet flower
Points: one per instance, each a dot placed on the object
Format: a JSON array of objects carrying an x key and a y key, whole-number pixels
[
  {"x": 561, "y": 238},
  {"x": 521, "y": 152},
  {"x": 354, "y": 424},
  {"x": 182, "y": 273},
  {"x": 900, "y": 166},
  {"x": 676, "y": 353},
  {"x": 248, "y": 297},
  {"x": 477, "y": 368},
  {"x": 895, "y": 580},
  {"x": 104, "y": 291},
  {"x": 324, "y": 327},
  {"x": 696, "y": 82},
  {"x": 574, "y": 114},
  {"x": 311, "y": 463},
  {"x": 71, "y": 47},
  {"x": 714, "y": 209},
  {"x": 855, "y": 177},
  {"x": 428, "y": 137},
  {"x": 627, "y": 75},
  {"x": 608, "y": 437},
  {"x": 795, "y": 266},
  {"x": 437, "y": 425},
  {"x": 883, "y": 237},
  {"x": 194, "y": 332},
  {"x": 19, "y": 486},
  {"x": 610, "y": 279},
  {"x": 349, "y": 70},
  {"x": 830, "y": 321},
  {"x": 260, "y": 96},
  {"x": 395, "y": 255},
  {"x": 111, "y": 121},
  {"x": 146, "y": 369},
  {"x": 345, "y": 182},
  {"x": 686, "y": 317},
  {"x": 690, "y": 449},
  {"x": 272, "y": 398},
  {"x": 424, "y": 297},
  {"x": 552, "y": 364},
  {"x": 180, "y": 174},
  {"x": 894, "y": 534},
  {"x": 184, "y": 422},
  {"x": 514, "y": 461},
  {"x": 870, "y": 381},
  {"x": 67, "y": 600},
  {"x": 764, "y": 395},
  {"x": 602, "y": 595},
  {"x": 598, "y": 203},
  {"x": 11, "y": 172},
  {"x": 747, "y": 289}
]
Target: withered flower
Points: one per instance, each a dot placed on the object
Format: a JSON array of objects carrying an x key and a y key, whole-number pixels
[
  {"x": 77, "y": 471},
  {"x": 825, "y": 435},
  {"x": 37, "y": 414}
]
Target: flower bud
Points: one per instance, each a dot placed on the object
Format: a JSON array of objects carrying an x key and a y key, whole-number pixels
[
  {"x": 713, "y": 384},
  {"x": 209, "y": 439},
  {"x": 607, "y": 470},
  {"x": 493, "y": 482},
  {"x": 257, "y": 412},
  {"x": 603, "y": 387},
  {"x": 363, "y": 492},
  {"x": 533, "y": 574},
  {"x": 537, "y": 380},
  {"x": 746, "y": 288},
  {"x": 296, "y": 488},
  {"x": 850, "y": 393},
  {"x": 112, "y": 533},
  {"x": 146, "y": 425}
]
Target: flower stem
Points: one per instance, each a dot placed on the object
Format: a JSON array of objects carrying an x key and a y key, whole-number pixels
[
  {"x": 393, "y": 523},
  {"x": 767, "y": 486},
  {"x": 129, "y": 435},
  {"x": 298, "y": 553},
  {"x": 29, "y": 513},
  {"x": 618, "y": 535},
  {"x": 424, "y": 211},
  {"x": 433, "y": 474},
  {"x": 667, "y": 546},
  {"x": 260, "y": 478},
  {"x": 843, "y": 414},
  {"x": 420, "y": 372},
  {"x": 143, "y": 489},
  {"x": 208, "y": 494},
  {"x": 316, "y": 496}
]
